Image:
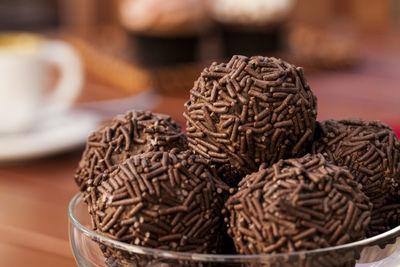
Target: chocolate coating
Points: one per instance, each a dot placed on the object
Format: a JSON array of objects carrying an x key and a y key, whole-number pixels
[
  {"x": 295, "y": 205},
  {"x": 126, "y": 135},
  {"x": 250, "y": 111},
  {"x": 370, "y": 149},
  {"x": 160, "y": 200}
]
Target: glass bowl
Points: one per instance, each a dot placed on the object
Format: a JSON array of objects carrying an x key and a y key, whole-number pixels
[{"x": 93, "y": 249}]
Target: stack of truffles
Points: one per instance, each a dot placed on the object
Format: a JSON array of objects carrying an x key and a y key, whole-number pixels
[{"x": 254, "y": 164}]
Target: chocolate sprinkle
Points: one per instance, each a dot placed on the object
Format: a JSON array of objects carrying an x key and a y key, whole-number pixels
[
  {"x": 370, "y": 150},
  {"x": 156, "y": 215},
  {"x": 269, "y": 114},
  {"x": 132, "y": 133},
  {"x": 280, "y": 209}
]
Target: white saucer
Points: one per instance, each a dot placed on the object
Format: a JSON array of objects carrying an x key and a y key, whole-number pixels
[{"x": 51, "y": 135}]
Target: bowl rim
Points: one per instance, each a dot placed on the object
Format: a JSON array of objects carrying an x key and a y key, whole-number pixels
[{"x": 367, "y": 242}]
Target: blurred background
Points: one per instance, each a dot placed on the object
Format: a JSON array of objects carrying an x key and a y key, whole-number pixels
[
  {"x": 146, "y": 54},
  {"x": 129, "y": 46}
]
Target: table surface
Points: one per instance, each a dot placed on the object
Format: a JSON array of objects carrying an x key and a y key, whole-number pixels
[{"x": 34, "y": 195}]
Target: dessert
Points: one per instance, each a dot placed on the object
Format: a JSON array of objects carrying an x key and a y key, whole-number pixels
[
  {"x": 250, "y": 111},
  {"x": 254, "y": 12},
  {"x": 160, "y": 18},
  {"x": 253, "y": 27},
  {"x": 161, "y": 200},
  {"x": 127, "y": 135},
  {"x": 370, "y": 150},
  {"x": 147, "y": 184},
  {"x": 297, "y": 204},
  {"x": 164, "y": 33}
]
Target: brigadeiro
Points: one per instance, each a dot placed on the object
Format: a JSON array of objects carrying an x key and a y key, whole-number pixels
[
  {"x": 126, "y": 135},
  {"x": 250, "y": 111},
  {"x": 295, "y": 205},
  {"x": 370, "y": 149},
  {"x": 161, "y": 200}
]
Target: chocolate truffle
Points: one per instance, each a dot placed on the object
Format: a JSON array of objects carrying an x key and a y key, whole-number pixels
[
  {"x": 250, "y": 111},
  {"x": 160, "y": 200},
  {"x": 295, "y": 205},
  {"x": 127, "y": 135},
  {"x": 370, "y": 150}
]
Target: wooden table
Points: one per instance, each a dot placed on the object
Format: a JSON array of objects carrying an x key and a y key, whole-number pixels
[{"x": 34, "y": 195}]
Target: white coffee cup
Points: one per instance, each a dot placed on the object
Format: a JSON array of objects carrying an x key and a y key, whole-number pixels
[{"x": 25, "y": 75}]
